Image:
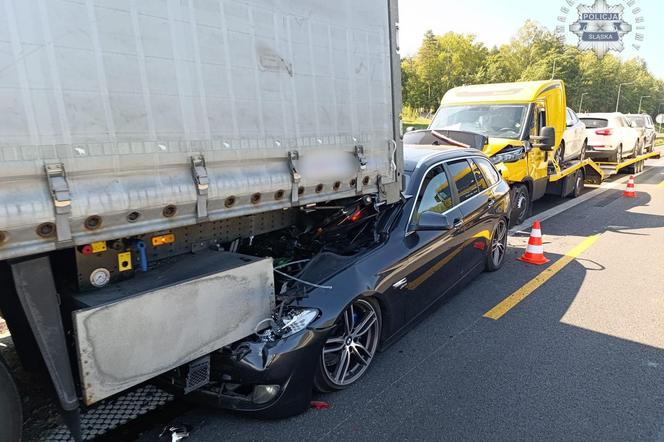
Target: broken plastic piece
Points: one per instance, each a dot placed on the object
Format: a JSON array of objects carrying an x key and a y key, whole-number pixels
[{"x": 319, "y": 405}]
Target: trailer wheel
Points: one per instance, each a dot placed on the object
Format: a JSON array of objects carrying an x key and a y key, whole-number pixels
[
  {"x": 521, "y": 204},
  {"x": 578, "y": 184},
  {"x": 11, "y": 420}
]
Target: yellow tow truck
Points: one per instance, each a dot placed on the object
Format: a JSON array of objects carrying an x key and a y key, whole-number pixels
[
  {"x": 524, "y": 123},
  {"x": 520, "y": 126}
]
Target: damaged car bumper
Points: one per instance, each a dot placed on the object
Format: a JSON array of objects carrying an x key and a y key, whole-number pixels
[{"x": 271, "y": 378}]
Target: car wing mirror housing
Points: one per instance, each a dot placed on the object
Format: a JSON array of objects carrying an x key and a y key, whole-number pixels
[
  {"x": 546, "y": 140},
  {"x": 432, "y": 221}
]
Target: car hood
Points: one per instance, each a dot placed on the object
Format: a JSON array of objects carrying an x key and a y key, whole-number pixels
[{"x": 497, "y": 144}]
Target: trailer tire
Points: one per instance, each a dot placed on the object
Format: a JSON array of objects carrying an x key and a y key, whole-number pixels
[
  {"x": 520, "y": 204},
  {"x": 11, "y": 419}
]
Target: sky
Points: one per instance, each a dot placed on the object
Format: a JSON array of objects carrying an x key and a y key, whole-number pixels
[{"x": 495, "y": 21}]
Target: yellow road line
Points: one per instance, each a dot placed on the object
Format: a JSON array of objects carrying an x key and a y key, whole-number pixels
[{"x": 520, "y": 294}]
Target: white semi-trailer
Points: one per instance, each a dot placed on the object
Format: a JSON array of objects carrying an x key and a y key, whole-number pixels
[{"x": 144, "y": 143}]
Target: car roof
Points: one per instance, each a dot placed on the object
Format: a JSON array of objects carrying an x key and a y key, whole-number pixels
[
  {"x": 601, "y": 115},
  {"x": 517, "y": 92},
  {"x": 418, "y": 154}
]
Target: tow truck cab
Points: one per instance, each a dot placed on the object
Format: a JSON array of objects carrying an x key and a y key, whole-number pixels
[{"x": 524, "y": 123}]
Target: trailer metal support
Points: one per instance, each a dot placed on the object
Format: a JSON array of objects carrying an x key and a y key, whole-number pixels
[
  {"x": 361, "y": 166},
  {"x": 202, "y": 182},
  {"x": 59, "y": 189},
  {"x": 36, "y": 290},
  {"x": 293, "y": 158}
]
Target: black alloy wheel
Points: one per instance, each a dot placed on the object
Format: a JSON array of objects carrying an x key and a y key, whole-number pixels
[
  {"x": 350, "y": 346},
  {"x": 497, "y": 248}
]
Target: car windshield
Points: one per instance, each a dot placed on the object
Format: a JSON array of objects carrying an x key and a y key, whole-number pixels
[
  {"x": 638, "y": 120},
  {"x": 498, "y": 120}
]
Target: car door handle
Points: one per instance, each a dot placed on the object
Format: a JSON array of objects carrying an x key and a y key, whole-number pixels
[
  {"x": 458, "y": 223},
  {"x": 400, "y": 283},
  {"x": 490, "y": 203}
]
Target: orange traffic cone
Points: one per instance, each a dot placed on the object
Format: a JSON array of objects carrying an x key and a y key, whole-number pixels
[
  {"x": 629, "y": 191},
  {"x": 535, "y": 251}
]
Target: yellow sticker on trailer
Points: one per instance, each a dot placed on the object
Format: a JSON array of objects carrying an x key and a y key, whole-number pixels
[
  {"x": 124, "y": 261},
  {"x": 99, "y": 246}
]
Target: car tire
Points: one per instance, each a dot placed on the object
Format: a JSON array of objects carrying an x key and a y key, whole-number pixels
[
  {"x": 584, "y": 148},
  {"x": 497, "y": 247},
  {"x": 350, "y": 346},
  {"x": 559, "y": 155},
  {"x": 619, "y": 155},
  {"x": 11, "y": 420},
  {"x": 520, "y": 204},
  {"x": 579, "y": 184}
]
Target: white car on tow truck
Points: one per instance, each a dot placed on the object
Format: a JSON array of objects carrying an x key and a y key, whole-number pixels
[
  {"x": 610, "y": 137},
  {"x": 575, "y": 141}
]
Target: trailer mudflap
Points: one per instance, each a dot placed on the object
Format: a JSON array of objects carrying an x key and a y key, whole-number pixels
[{"x": 134, "y": 330}]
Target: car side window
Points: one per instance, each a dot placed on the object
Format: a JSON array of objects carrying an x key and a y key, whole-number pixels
[
  {"x": 570, "y": 119},
  {"x": 436, "y": 195},
  {"x": 489, "y": 172},
  {"x": 575, "y": 118},
  {"x": 482, "y": 183},
  {"x": 464, "y": 179}
]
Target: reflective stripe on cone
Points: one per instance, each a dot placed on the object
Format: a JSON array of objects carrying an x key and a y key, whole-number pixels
[
  {"x": 629, "y": 191},
  {"x": 535, "y": 250}
]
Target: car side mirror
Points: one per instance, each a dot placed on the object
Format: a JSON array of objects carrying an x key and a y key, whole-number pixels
[
  {"x": 546, "y": 139},
  {"x": 432, "y": 221}
]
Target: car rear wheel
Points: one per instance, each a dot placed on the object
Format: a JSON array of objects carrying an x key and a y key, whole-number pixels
[
  {"x": 584, "y": 148},
  {"x": 498, "y": 247},
  {"x": 520, "y": 197},
  {"x": 10, "y": 407},
  {"x": 350, "y": 347},
  {"x": 578, "y": 184},
  {"x": 619, "y": 155}
]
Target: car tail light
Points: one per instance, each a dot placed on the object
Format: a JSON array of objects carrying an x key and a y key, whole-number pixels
[{"x": 603, "y": 132}]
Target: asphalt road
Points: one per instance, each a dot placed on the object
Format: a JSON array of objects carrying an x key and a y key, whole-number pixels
[{"x": 580, "y": 357}]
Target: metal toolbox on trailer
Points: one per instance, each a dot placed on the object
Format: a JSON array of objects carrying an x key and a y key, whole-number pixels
[{"x": 136, "y": 329}]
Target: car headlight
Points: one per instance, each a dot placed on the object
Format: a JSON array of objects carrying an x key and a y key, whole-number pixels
[
  {"x": 296, "y": 320},
  {"x": 509, "y": 155}
]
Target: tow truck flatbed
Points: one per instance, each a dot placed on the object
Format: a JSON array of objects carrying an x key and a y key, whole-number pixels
[
  {"x": 636, "y": 163},
  {"x": 570, "y": 178}
]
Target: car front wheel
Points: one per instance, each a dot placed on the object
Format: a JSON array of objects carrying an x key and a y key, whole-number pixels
[
  {"x": 350, "y": 346},
  {"x": 520, "y": 197},
  {"x": 496, "y": 256}
]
